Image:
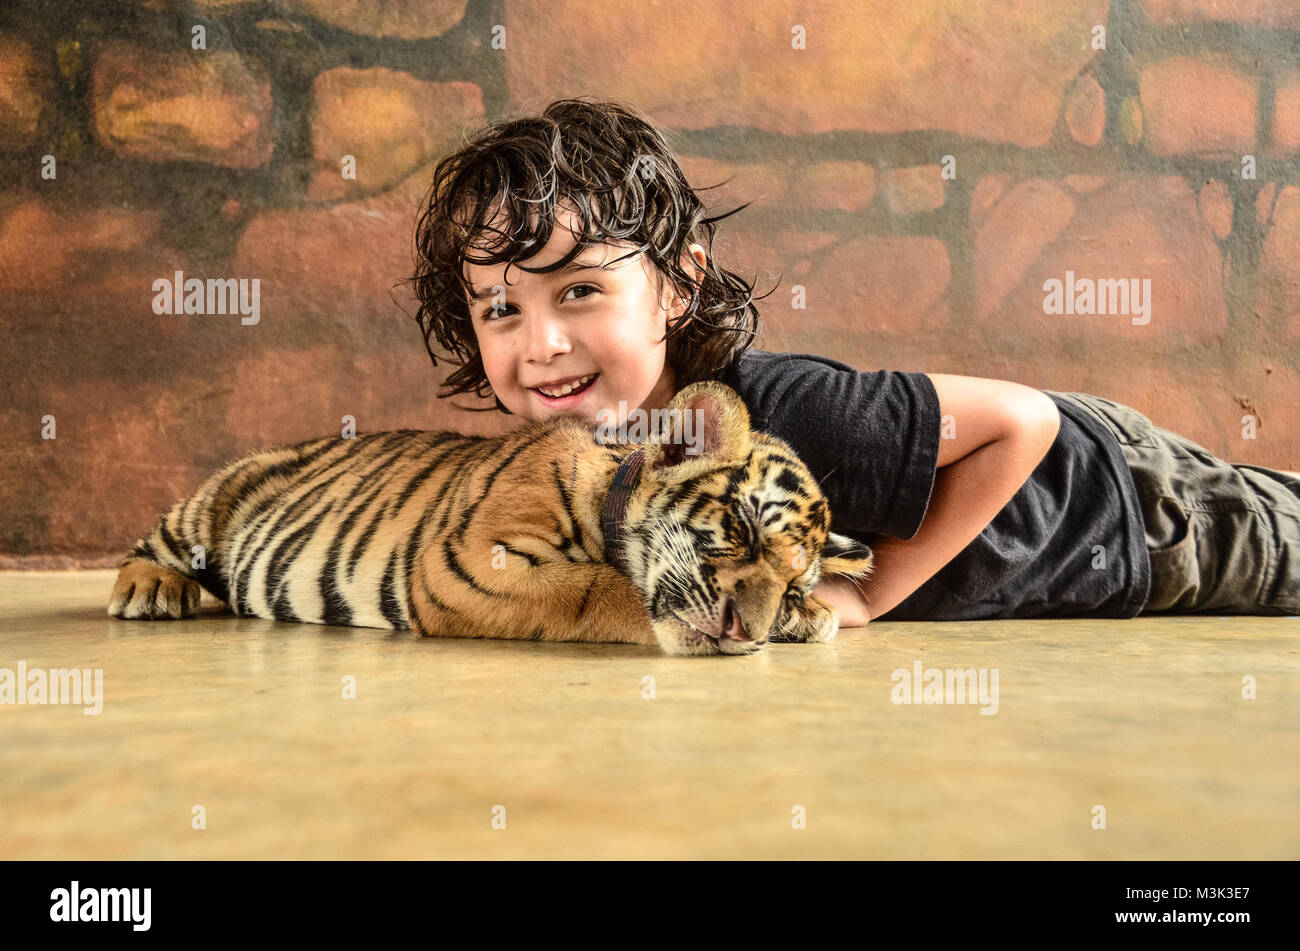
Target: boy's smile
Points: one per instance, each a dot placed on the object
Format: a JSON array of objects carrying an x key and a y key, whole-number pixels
[
  {"x": 565, "y": 392},
  {"x": 577, "y": 340}
]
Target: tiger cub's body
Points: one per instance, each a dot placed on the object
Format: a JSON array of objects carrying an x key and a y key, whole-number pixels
[{"x": 460, "y": 536}]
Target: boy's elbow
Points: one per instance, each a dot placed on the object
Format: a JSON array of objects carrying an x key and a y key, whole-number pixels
[
  {"x": 1039, "y": 420},
  {"x": 1052, "y": 418}
]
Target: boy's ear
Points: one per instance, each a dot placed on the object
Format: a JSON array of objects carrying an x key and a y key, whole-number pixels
[
  {"x": 704, "y": 427},
  {"x": 842, "y": 555}
]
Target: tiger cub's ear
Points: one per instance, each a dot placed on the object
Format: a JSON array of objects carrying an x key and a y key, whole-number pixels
[
  {"x": 842, "y": 555},
  {"x": 704, "y": 427}
]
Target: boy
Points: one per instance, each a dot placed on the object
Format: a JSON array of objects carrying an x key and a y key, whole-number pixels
[{"x": 1035, "y": 504}]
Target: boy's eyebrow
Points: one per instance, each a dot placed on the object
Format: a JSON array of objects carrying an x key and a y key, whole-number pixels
[{"x": 568, "y": 268}]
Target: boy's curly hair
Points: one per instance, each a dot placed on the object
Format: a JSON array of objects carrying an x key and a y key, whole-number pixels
[{"x": 614, "y": 167}]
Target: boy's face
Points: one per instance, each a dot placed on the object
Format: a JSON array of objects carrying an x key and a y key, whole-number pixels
[{"x": 599, "y": 327}]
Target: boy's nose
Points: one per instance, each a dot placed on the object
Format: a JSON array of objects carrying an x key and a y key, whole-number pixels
[{"x": 546, "y": 336}]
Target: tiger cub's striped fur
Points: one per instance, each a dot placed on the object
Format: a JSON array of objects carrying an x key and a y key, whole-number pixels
[{"x": 458, "y": 536}]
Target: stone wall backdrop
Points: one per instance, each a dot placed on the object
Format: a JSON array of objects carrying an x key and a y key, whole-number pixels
[{"x": 921, "y": 170}]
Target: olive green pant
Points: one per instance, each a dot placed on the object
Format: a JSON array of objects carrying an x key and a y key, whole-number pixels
[{"x": 1223, "y": 537}]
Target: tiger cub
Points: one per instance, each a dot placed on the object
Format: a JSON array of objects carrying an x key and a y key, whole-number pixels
[{"x": 547, "y": 533}]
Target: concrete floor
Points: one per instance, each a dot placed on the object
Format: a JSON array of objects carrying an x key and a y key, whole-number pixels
[{"x": 245, "y": 717}]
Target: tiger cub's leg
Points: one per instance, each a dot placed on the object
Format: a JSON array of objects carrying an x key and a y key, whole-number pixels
[
  {"x": 165, "y": 572},
  {"x": 147, "y": 591},
  {"x": 546, "y": 601},
  {"x": 809, "y": 622},
  {"x": 156, "y": 580}
]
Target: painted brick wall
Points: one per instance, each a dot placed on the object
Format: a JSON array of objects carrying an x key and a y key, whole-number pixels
[{"x": 921, "y": 170}]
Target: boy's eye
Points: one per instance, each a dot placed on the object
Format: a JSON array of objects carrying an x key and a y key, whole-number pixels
[{"x": 492, "y": 313}]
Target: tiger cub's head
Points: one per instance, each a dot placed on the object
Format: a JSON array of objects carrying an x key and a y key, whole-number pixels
[{"x": 727, "y": 533}]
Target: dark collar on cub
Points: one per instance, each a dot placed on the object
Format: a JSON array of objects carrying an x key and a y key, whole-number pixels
[{"x": 620, "y": 492}]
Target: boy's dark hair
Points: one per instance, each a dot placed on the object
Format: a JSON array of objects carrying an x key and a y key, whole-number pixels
[{"x": 614, "y": 167}]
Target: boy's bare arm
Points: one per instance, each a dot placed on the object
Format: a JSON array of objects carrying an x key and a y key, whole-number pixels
[{"x": 999, "y": 431}]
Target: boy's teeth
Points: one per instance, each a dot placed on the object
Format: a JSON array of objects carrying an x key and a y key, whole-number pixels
[{"x": 569, "y": 387}]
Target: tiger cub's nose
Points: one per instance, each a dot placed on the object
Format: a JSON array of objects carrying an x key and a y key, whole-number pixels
[{"x": 733, "y": 627}]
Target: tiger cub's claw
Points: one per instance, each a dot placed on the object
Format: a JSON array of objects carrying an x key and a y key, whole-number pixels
[{"x": 145, "y": 591}]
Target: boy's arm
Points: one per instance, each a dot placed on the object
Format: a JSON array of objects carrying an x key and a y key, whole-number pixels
[{"x": 1002, "y": 431}]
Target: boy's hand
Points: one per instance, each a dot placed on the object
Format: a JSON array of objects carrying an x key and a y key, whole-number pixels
[{"x": 846, "y": 598}]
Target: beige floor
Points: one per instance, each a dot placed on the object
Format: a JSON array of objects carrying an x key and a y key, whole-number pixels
[{"x": 244, "y": 717}]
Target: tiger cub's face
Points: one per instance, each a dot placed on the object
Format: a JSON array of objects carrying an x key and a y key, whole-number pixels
[{"x": 726, "y": 545}]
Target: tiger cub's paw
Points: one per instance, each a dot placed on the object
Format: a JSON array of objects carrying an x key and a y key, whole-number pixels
[
  {"x": 145, "y": 591},
  {"x": 811, "y": 622}
]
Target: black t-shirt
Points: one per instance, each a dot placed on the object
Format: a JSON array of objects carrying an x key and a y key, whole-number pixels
[{"x": 1070, "y": 543}]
